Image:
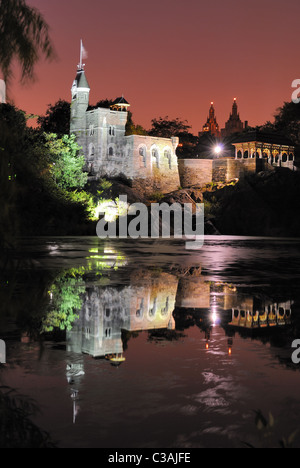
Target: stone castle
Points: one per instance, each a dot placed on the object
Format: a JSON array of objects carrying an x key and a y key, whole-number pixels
[{"x": 150, "y": 164}]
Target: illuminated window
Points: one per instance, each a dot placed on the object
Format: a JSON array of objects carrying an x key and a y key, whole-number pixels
[
  {"x": 143, "y": 156},
  {"x": 140, "y": 311},
  {"x": 168, "y": 156},
  {"x": 155, "y": 157},
  {"x": 152, "y": 311}
]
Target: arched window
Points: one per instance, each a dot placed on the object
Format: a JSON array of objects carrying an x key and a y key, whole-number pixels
[
  {"x": 110, "y": 151},
  {"x": 140, "y": 311},
  {"x": 155, "y": 157},
  {"x": 291, "y": 157},
  {"x": 284, "y": 157},
  {"x": 168, "y": 156},
  {"x": 143, "y": 156},
  {"x": 91, "y": 150},
  {"x": 239, "y": 154},
  {"x": 246, "y": 155},
  {"x": 152, "y": 311}
]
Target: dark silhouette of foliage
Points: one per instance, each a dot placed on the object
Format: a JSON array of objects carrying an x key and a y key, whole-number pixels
[
  {"x": 166, "y": 128},
  {"x": 57, "y": 119},
  {"x": 17, "y": 430},
  {"x": 24, "y": 36}
]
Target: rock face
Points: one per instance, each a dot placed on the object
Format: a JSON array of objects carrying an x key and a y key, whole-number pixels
[
  {"x": 192, "y": 196},
  {"x": 265, "y": 204}
]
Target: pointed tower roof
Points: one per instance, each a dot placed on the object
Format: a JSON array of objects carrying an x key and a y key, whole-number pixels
[{"x": 81, "y": 80}]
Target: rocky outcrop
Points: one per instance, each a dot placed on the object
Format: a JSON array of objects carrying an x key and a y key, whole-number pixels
[{"x": 264, "y": 204}]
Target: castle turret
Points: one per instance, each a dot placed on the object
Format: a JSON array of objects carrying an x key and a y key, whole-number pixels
[{"x": 80, "y": 101}]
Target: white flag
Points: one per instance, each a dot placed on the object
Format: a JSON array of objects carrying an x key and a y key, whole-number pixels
[
  {"x": 2, "y": 92},
  {"x": 84, "y": 52}
]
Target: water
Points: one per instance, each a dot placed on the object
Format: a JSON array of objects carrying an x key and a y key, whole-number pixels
[{"x": 144, "y": 344}]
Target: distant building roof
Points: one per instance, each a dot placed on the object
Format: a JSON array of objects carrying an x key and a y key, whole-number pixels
[
  {"x": 120, "y": 104},
  {"x": 263, "y": 137},
  {"x": 120, "y": 101}
]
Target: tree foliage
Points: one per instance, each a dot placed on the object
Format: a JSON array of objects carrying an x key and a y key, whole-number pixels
[
  {"x": 166, "y": 127},
  {"x": 132, "y": 129},
  {"x": 67, "y": 162},
  {"x": 67, "y": 298},
  {"x": 24, "y": 36},
  {"x": 57, "y": 118},
  {"x": 31, "y": 199},
  {"x": 286, "y": 122},
  {"x": 17, "y": 430}
]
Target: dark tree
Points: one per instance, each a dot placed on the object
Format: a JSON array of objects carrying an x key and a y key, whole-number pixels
[
  {"x": 24, "y": 36},
  {"x": 286, "y": 122},
  {"x": 57, "y": 119},
  {"x": 166, "y": 128},
  {"x": 103, "y": 103},
  {"x": 132, "y": 129}
]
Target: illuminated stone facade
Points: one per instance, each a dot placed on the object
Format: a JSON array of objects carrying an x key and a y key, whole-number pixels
[
  {"x": 149, "y": 162},
  {"x": 146, "y": 304}
]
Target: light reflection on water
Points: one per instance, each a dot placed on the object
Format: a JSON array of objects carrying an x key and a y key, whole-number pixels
[{"x": 146, "y": 344}]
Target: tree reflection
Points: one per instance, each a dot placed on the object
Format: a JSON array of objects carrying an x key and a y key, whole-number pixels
[{"x": 17, "y": 429}]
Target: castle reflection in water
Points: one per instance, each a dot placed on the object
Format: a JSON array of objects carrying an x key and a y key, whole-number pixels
[{"x": 156, "y": 300}]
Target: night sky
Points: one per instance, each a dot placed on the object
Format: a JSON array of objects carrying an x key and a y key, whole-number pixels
[{"x": 172, "y": 57}]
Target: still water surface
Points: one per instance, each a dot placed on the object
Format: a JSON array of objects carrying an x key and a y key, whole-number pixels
[{"x": 144, "y": 344}]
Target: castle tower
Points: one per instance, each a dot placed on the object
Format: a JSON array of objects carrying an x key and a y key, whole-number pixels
[
  {"x": 211, "y": 126},
  {"x": 234, "y": 123},
  {"x": 80, "y": 101}
]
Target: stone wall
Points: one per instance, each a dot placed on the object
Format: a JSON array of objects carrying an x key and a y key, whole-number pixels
[
  {"x": 195, "y": 172},
  {"x": 205, "y": 171}
]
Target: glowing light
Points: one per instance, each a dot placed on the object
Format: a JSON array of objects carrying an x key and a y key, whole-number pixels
[
  {"x": 230, "y": 351},
  {"x": 207, "y": 346},
  {"x": 218, "y": 149}
]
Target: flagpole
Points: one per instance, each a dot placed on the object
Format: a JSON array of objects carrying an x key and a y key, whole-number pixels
[{"x": 80, "y": 55}]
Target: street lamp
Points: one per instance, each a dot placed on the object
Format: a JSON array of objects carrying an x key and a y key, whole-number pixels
[{"x": 218, "y": 150}]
